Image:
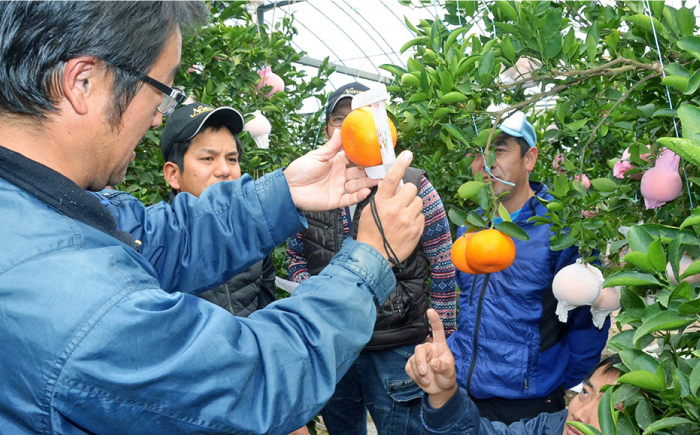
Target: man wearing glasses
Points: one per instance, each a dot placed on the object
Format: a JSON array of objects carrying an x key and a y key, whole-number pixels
[
  {"x": 99, "y": 335},
  {"x": 377, "y": 380}
]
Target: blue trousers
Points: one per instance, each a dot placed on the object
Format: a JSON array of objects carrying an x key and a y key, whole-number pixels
[{"x": 376, "y": 382}]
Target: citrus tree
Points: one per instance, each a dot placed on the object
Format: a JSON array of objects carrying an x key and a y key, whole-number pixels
[
  {"x": 220, "y": 68},
  {"x": 608, "y": 87}
]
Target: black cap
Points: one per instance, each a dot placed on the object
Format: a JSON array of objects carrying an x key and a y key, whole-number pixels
[
  {"x": 347, "y": 91},
  {"x": 187, "y": 121}
]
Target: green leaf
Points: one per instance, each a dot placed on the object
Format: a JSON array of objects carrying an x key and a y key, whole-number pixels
[
  {"x": 506, "y": 9},
  {"x": 605, "y": 413},
  {"x": 507, "y": 49},
  {"x": 691, "y": 44},
  {"x": 503, "y": 213},
  {"x": 552, "y": 23},
  {"x": 513, "y": 230},
  {"x": 562, "y": 241},
  {"x": 476, "y": 220},
  {"x": 604, "y": 184},
  {"x": 677, "y": 70},
  {"x": 584, "y": 428},
  {"x": 644, "y": 22},
  {"x": 639, "y": 360},
  {"x": 693, "y": 269},
  {"x": 640, "y": 260},
  {"x": 643, "y": 379},
  {"x": 592, "y": 40},
  {"x": 488, "y": 61},
  {"x": 693, "y": 84},
  {"x": 630, "y": 278},
  {"x": 694, "y": 380},
  {"x": 553, "y": 46},
  {"x": 456, "y": 133},
  {"x": 678, "y": 82},
  {"x": 639, "y": 238},
  {"x": 452, "y": 37},
  {"x": 686, "y": 21},
  {"x": 663, "y": 321},
  {"x": 683, "y": 147},
  {"x": 421, "y": 40},
  {"x": 665, "y": 113},
  {"x": 470, "y": 189},
  {"x": 576, "y": 125},
  {"x": 395, "y": 70},
  {"x": 665, "y": 423},
  {"x": 689, "y": 307},
  {"x": 457, "y": 216},
  {"x": 452, "y": 97},
  {"x": 691, "y": 220},
  {"x": 656, "y": 255}
]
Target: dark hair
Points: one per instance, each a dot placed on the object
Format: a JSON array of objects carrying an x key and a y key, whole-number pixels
[
  {"x": 524, "y": 146},
  {"x": 37, "y": 38},
  {"x": 179, "y": 149},
  {"x": 608, "y": 363}
]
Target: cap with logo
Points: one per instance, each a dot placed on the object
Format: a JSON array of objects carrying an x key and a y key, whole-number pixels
[
  {"x": 187, "y": 121},
  {"x": 347, "y": 91},
  {"x": 517, "y": 125}
]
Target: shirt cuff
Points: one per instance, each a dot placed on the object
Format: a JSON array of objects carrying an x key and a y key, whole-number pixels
[{"x": 365, "y": 262}]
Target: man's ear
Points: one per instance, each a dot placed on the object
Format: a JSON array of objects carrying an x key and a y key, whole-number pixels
[
  {"x": 172, "y": 175},
  {"x": 81, "y": 76},
  {"x": 531, "y": 158},
  {"x": 325, "y": 130}
]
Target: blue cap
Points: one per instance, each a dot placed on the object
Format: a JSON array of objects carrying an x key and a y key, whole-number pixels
[{"x": 517, "y": 125}]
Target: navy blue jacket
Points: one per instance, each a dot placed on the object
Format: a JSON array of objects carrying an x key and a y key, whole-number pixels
[{"x": 522, "y": 350}]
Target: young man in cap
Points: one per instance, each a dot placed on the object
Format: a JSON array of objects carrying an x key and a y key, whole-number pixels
[
  {"x": 448, "y": 409},
  {"x": 377, "y": 381},
  {"x": 99, "y": 332},
  {"x": 514, "y": 357},
  {"x": 200, "y": 147}
]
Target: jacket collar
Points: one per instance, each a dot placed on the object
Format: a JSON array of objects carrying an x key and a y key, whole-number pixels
[{"x": 60, "y": 193}]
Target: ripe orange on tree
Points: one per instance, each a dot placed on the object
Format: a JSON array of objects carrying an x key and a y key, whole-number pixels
[
  {"x": 490, "y": 251},
  {"x": 459, "y": 248},
  {"x": 359, "y": 137}
]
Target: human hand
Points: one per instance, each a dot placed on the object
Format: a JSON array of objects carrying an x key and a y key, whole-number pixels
[
  {"x": 320, "y": 180},
  {"x": 432, "y": 366},
  {"x": 301, "y": 431},
  {"x": 399, "y": 213}
]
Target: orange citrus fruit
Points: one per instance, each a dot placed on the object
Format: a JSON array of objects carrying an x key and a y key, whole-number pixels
[
  {"x": 359, "y": 137},
  {"x": 490, "y": 251},
  {"x": 459, "y": 248}
]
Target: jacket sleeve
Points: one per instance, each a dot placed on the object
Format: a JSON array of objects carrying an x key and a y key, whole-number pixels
[
  {"x": 436, "y": 241},
  {"x": 460, "y": 416},
  {"x": 268, "y": 292},
  {"x": 151, "y": 362},
  {"x": 584, "y": 341},
  {"x": 196, "y": 244}
]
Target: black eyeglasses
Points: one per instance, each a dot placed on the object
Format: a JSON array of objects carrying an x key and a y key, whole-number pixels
[
  {"x": 173, "y": 97},
  {"x": 336, "y": 119}
]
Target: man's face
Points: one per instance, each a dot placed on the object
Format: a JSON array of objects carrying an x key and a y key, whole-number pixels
[
  {"x": 112, "y": 156},
  {"x": 584, "y": 407},
  {"x": 509, "y": 166},
  {"x": 212, "y": 157},
  {"x": 342, "y": 109}
]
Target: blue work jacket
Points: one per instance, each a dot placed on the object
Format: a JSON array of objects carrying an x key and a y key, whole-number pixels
[
  {"x": 509, "y": 342},
  {"x": 99, "y": 338},
  {"x": 460, "y": 416}
]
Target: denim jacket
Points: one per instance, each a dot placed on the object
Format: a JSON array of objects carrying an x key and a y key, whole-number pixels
[{"x": 99, "y": 338}]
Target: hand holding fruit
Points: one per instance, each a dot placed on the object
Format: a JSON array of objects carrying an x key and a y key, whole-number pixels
[{"x": 399, "y": 213}]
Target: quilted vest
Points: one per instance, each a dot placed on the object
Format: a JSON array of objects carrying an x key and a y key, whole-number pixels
[{"x": 401, "y": 319}]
